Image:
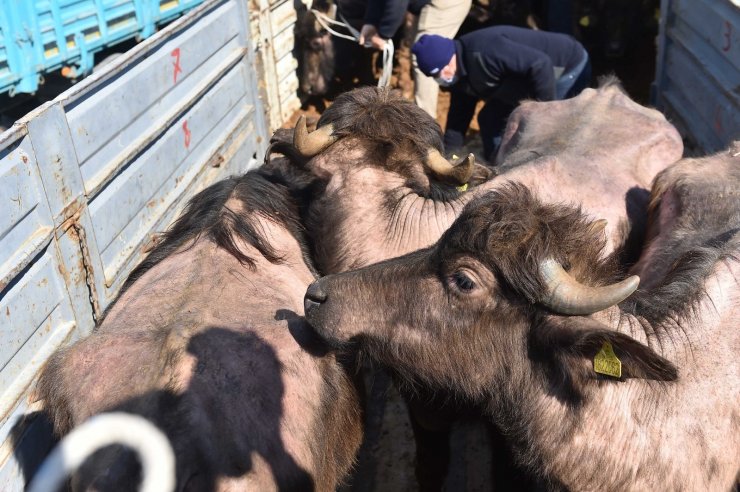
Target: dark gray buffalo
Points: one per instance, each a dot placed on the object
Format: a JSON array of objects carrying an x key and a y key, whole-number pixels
[
  {"x": 314, "y": 49},
  {"x": 515, "y": 307},
  {"x": 202, "y": 342}
]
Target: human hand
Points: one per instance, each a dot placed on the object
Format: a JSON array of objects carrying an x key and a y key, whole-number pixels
[{"x": 370, "y": 38}]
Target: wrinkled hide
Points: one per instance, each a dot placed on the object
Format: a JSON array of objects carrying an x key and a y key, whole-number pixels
[
  {"x": 204, "y": 342},
  {"x": 669, "y": 423}
]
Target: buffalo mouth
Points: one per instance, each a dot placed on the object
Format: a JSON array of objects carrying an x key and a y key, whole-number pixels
[{"x": 324, "y": 322}]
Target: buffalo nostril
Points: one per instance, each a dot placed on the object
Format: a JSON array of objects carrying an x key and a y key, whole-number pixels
[{"x": 315, "y": 293}]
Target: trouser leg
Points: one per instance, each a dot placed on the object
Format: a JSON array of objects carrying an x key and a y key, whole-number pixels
[
  {"x": 492, "y": 121},
  {"x": 459, "y": 115},
  {"x": 352, "y": 61},
  {"x": 571, "y": 83},
  {"x": 582, "y": 81},
  {"x": 442, "y": 17}
]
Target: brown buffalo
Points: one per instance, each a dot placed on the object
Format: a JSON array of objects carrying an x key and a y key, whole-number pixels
[
  {"x": 516, "y": 307},
  {"x": 202, "y": 342}
]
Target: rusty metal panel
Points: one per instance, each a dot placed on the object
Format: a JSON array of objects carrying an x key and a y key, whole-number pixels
[
  {"x": 36, "y": 310},
  {"x": 167, "y": 112},
  {"x": 272, "y": 25},
  {"x": 698, "y": 70},
  {"x": 282, "y": 17},
  {"x": 25, "y": 221},
  {"x": 282, "y": 43},
  {"x": 286, "y": 67}
]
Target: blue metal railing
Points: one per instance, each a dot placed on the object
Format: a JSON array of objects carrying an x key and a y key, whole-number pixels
[{"x": 40, "y": 36}]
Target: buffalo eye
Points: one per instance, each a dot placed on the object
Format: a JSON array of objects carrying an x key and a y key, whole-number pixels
[{"x": 462, "y": 282}]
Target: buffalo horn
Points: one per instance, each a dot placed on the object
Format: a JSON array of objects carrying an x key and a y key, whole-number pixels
[
  {"x": 566, "y": 295},
  {"x": 459, "y": 173},
  {"x": 310, "y": 144}
]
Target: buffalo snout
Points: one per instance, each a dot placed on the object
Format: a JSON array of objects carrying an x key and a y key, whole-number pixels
[
  {"x": 315, "y": 295},
  {"x": 328, "y": 317}
]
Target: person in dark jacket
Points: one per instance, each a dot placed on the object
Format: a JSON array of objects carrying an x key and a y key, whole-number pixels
[
  {"x": 501, "y": 65},
  {"x": 383, "y": 18},
  {"x": 377, "y": 21}
]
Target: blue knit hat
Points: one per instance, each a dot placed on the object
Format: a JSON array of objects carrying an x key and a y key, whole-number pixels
[{"x": 433, "y": 53}]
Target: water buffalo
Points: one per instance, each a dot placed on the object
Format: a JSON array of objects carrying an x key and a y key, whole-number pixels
[
  {"x": 314, "y": 50},
  {"x": 517, "y": 307},
  {"x": 381, "y": 187},
  {"x": 202, "y": 341},
  {"x": 384, "y": 190}
]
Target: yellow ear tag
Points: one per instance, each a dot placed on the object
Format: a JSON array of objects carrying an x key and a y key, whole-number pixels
[
  {"x": 585, "y": 21},
  {"x": 605, "y": 362},
  {"x": 463, "y": 187}
]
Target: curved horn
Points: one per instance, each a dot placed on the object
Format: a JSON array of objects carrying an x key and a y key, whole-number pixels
[
  {"x": 310, "y": 144},
  {"x": 566, "y": 295},
  {"x": 459, "y": 173}
]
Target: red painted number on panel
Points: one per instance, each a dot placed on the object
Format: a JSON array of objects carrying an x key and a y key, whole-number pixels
[
  {"x": 176, "y": 62},
  {"x": 728, "y": 37},
  {"x": 186, "y": 131}
]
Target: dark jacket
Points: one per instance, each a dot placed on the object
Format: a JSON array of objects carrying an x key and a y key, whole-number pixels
[
  {"x": 511, "y": 63},
  {"x": 387, "y": 15}
]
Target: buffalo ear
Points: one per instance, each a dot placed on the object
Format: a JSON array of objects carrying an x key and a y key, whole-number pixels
[
  {"x": 568, "y": 345},
  {"x": 480, "y": 175}
]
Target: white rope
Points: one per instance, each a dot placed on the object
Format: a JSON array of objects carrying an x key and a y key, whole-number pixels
[
  {"x": 385, "y": 78},
  {"x": 325, "y": 20},
  {"x": 157, "y": 458}
]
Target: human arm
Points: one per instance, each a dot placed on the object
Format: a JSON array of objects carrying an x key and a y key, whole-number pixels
[{"x": 382, "y": 20}]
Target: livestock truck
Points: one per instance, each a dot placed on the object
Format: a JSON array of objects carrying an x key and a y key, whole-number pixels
[{"x": 89, "y": 178}]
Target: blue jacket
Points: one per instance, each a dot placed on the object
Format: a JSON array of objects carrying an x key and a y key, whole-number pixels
[{"x": 511, "y": 63}]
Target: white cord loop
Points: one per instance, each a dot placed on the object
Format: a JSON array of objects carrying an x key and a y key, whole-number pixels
[
  {"x": 325, "y": 21},
  {"x": 156, "y": 455}
]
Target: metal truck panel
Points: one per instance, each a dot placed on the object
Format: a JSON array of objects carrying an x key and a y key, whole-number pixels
[
  {"x": 698, "y": 70},
  {"x": 89, "y": 179},
  {"x": 25, "y": 222},
  {"x": 50, "y": 34},
  {"x": 122, "y": 210},
  {"x": 272, "y": 25},
  {"x": 36, "y": 308},
  {"x": 151, "y": 92}
]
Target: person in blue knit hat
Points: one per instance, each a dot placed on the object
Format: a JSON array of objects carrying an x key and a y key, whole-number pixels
[{"x": 501, "y": 65}]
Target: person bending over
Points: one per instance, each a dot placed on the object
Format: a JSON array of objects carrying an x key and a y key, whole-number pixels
[{"x": 501, "y": 65}]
